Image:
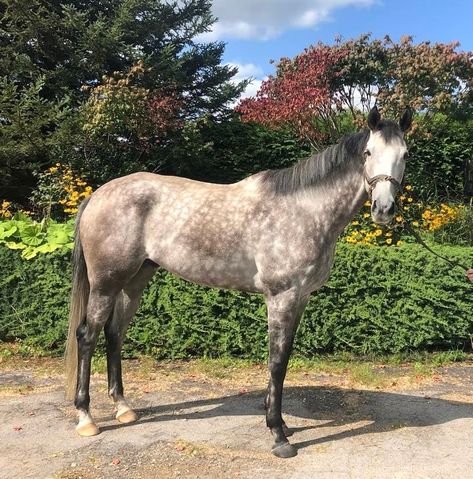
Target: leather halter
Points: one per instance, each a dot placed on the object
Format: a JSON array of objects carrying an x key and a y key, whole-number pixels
[{"x": 374, "y": 180}]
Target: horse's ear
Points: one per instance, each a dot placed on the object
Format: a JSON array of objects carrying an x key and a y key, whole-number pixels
[
  {"x": 406, "y": 120},
  {"x": 373, "y": 118}
]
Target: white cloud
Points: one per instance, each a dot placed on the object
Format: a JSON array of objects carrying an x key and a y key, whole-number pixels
[
  {"x": 245, "y": 71},
  {"x": 251, "y": 89},
  {"x": 265, "y": 19}
]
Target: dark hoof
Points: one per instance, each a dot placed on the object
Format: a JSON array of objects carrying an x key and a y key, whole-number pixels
[
  {"x": 284, "y": 450},
  {"x": 287, "y": 432}
]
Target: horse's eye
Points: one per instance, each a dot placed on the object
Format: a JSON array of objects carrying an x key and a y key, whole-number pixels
[{"x": 367, "y": 153}]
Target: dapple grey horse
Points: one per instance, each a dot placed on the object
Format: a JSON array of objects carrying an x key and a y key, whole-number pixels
[{"x": 272, "y": 233}]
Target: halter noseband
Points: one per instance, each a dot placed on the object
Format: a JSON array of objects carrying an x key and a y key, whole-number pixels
[{"x": 374, "y": 180}]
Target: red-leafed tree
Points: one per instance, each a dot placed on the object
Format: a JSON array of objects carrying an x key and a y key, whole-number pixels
[
  {"x": 327, "y": 89},
  {"x": 300, "y": 94}
]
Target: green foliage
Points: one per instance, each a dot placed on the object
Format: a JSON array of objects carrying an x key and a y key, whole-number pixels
[
  {"x": 58, "y": 192},
  {"x": 208, "y": 149},
  {"x": 75, "y": 43},
  {"x": 437, "y": 152},
  {"x": 27, "y": 133},
  {"x": 228, "y": 151},
  {"x": 378, "y": 300},
  {"x": 50, "y": 50},
  {"x": 31, "y": 237},
  {"x": 459, "y": 231},
  {"x": 34, "y": 299}
]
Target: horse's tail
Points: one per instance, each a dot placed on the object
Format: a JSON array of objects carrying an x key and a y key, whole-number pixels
[{"x": 78, "y": 305}]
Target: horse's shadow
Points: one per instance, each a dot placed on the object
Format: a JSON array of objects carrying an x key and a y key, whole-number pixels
[{"x": 368, "y": 411}]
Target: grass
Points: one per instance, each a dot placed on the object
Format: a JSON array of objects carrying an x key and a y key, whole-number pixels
[
  {"x": 338, "y": 363},
  {"x": 370, "y": 371}
]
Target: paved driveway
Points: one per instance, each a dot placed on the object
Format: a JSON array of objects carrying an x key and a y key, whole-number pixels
[{"x": 195, "y": 425}]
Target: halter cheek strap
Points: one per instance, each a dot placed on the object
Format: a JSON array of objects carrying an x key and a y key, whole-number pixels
[{"x": 374, "y": 180}]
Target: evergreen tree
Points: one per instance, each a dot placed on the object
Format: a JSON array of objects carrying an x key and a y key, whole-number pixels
[{"x": 68, "y": 45}]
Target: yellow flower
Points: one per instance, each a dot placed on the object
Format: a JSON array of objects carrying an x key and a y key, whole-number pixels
[
  {"x": 399, "y": 243},
  {"x": 399, "y": 218},
  {"x": 389, "y": 234},
  {"x": 378, "y": 232},
  {"x": 402, "y": 197},
  {"x": 409, "y": 200},
  {"x": 415, "y": 223},
  {"x": 408, "y": 187},
  {"x": 366, "y": 215},
  {"x": 354, "y": 223},
  {"x": 367, "y": 203},
  {"x": 389, "y": 241}
]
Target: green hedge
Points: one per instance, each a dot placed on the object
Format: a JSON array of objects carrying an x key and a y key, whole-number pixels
[{"x": 378, "y": 300}]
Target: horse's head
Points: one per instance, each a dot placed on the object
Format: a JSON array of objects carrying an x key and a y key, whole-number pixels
[{"x": 385, "y": 160}]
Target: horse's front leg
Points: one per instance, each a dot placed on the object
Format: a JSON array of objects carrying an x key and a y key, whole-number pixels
[{"x": 284, "y": 312}]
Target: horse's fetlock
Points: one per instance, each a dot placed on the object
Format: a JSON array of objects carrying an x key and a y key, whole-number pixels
[
  {"x": 82, "y": 401},
  {"x": 274, "y": 422}
]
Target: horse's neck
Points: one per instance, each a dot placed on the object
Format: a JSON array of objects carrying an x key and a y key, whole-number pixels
[{"x": 338, "y": 198}]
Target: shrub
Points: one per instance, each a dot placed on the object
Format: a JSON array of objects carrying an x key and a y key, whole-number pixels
[
  {"x": 378, "y": 300},
  {"x": 59, "y": 191}
]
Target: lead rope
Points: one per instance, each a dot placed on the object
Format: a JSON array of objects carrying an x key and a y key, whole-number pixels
[{"x": 418, "y": 238}]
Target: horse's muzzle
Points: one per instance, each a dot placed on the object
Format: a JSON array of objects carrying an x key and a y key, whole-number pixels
[{"x": 382, "y": 213}]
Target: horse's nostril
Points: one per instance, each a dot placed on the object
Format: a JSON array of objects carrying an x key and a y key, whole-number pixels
[{"x": 374, "y": 204}]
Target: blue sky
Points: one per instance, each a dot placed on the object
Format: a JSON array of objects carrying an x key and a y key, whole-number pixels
[{"x": 257, "y": 31}]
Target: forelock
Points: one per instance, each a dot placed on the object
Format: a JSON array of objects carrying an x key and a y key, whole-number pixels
[{"x": 389, "y": 130}]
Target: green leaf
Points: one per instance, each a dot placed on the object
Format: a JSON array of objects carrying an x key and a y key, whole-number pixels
[
  {"x": 29, "y": 253},
  {"x": 32, "y": 235},
  {"x": 47, "y": 248},
  {"x": 6, "y": 233},
  {"x": 58, "y": 237},
  {"x": 13, "y": 245}
]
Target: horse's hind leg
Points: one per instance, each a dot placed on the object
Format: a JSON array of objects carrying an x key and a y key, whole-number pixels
[
  {"x": 99, "y": 307},
  {"x": 126, "y": 304}
]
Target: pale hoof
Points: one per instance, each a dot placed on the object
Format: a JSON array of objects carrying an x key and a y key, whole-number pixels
[
  {"x": 284, "y": 450},
  {"x": 87, "y": 430},
  {"x": 127, "y": 417}
]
